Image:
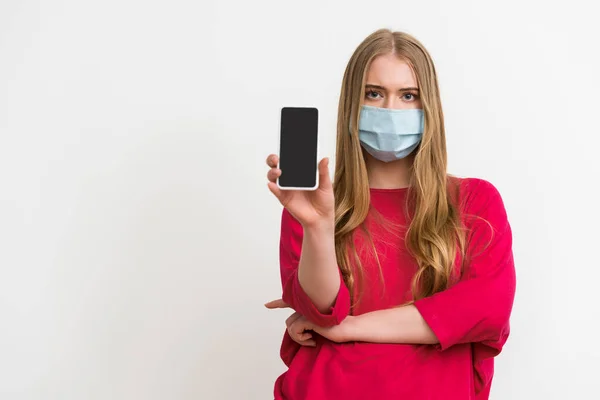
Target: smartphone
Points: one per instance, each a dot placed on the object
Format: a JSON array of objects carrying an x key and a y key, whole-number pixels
[{"x": 298, "y": 145}]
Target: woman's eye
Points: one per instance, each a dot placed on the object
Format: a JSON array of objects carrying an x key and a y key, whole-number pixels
[
  {"x": 372, "y": 94},
  {"x": 409, "y": 96}
]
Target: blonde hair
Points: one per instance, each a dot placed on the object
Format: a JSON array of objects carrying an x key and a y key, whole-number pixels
[{"x": 435, "y": 236}]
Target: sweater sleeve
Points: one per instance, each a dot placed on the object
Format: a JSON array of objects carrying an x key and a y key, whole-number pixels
[
  {"x": 289, "y": 257},
  {"x": 478, "y": 307}
]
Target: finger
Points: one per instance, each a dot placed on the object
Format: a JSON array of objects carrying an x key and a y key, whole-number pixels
[
  {"x": 300, "y": 326},
  {"x": 273, "y": 174},
  {"x": 292, "y": 318},
  {"x": 308, "y": 343},
  {"x": 275, "y": 190},
  {"x": 279, "y": 303},
  {"x": 272, "y": 160},
  {"x": 324, "y": 179},
  {"x": 298, "y": 333},
  {"x": 304, "y": 336}
]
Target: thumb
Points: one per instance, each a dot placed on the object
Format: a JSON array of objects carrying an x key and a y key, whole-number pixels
[
  {"x": 279, "y": 303},
  {"x": 324, "y": 179}
]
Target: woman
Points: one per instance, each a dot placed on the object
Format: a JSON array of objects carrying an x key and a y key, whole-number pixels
[{"x": 401, "y": 276}]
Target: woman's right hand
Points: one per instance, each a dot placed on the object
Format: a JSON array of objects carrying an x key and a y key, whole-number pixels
[{"x": 310, "y": 208}]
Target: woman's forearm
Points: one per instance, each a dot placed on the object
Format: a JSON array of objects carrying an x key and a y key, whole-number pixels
[
  {"x": 395, "y": 325},
  {"x": 318, "y": 271}
]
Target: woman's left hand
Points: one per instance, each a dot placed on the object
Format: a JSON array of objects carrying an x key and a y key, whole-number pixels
[
  {"x": 298, "y": 327},
  {"x": 337, "y": 333}
]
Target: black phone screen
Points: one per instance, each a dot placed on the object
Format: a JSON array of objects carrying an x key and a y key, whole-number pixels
[{"x": 298, "y": 147}]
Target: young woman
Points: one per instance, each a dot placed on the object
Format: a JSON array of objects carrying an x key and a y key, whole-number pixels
[{"x": 401, "y": 276}]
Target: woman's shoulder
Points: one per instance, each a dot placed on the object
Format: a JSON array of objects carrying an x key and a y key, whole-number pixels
[
  {"x": 470, "y": 185},
  {"x": 476, "y": 195}
]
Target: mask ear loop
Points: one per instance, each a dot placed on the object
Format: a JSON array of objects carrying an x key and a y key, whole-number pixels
[{"x": 357, "y": 112}]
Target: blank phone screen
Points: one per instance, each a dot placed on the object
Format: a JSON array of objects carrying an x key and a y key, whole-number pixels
[{"x": 298, "y": 147}]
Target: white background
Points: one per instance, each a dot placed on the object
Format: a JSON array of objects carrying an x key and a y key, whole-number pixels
[{"x": 138, "y": 239}]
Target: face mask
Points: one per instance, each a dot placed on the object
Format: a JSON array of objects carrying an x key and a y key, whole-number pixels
[{"x": 390, "y": 135}]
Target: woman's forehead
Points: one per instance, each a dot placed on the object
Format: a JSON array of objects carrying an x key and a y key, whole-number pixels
[{"x": 391, "y": 72}]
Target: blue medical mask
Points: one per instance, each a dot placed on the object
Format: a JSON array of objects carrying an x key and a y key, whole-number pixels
[{"x": 390, "y": 135}]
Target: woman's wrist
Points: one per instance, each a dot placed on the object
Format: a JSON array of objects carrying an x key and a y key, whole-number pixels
[
  {"x": 320, "y": 226},
  {"x": 351, "y": 329}
]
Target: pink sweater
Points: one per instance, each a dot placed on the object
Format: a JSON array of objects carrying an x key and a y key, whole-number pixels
[{"x": 470, "y": 319}]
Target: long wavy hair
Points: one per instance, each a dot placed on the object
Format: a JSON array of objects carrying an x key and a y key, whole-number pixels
[{"x": 435, "y": 235}]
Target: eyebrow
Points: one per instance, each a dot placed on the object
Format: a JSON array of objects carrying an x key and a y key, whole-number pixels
[{"x": 370, "y": 86}]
